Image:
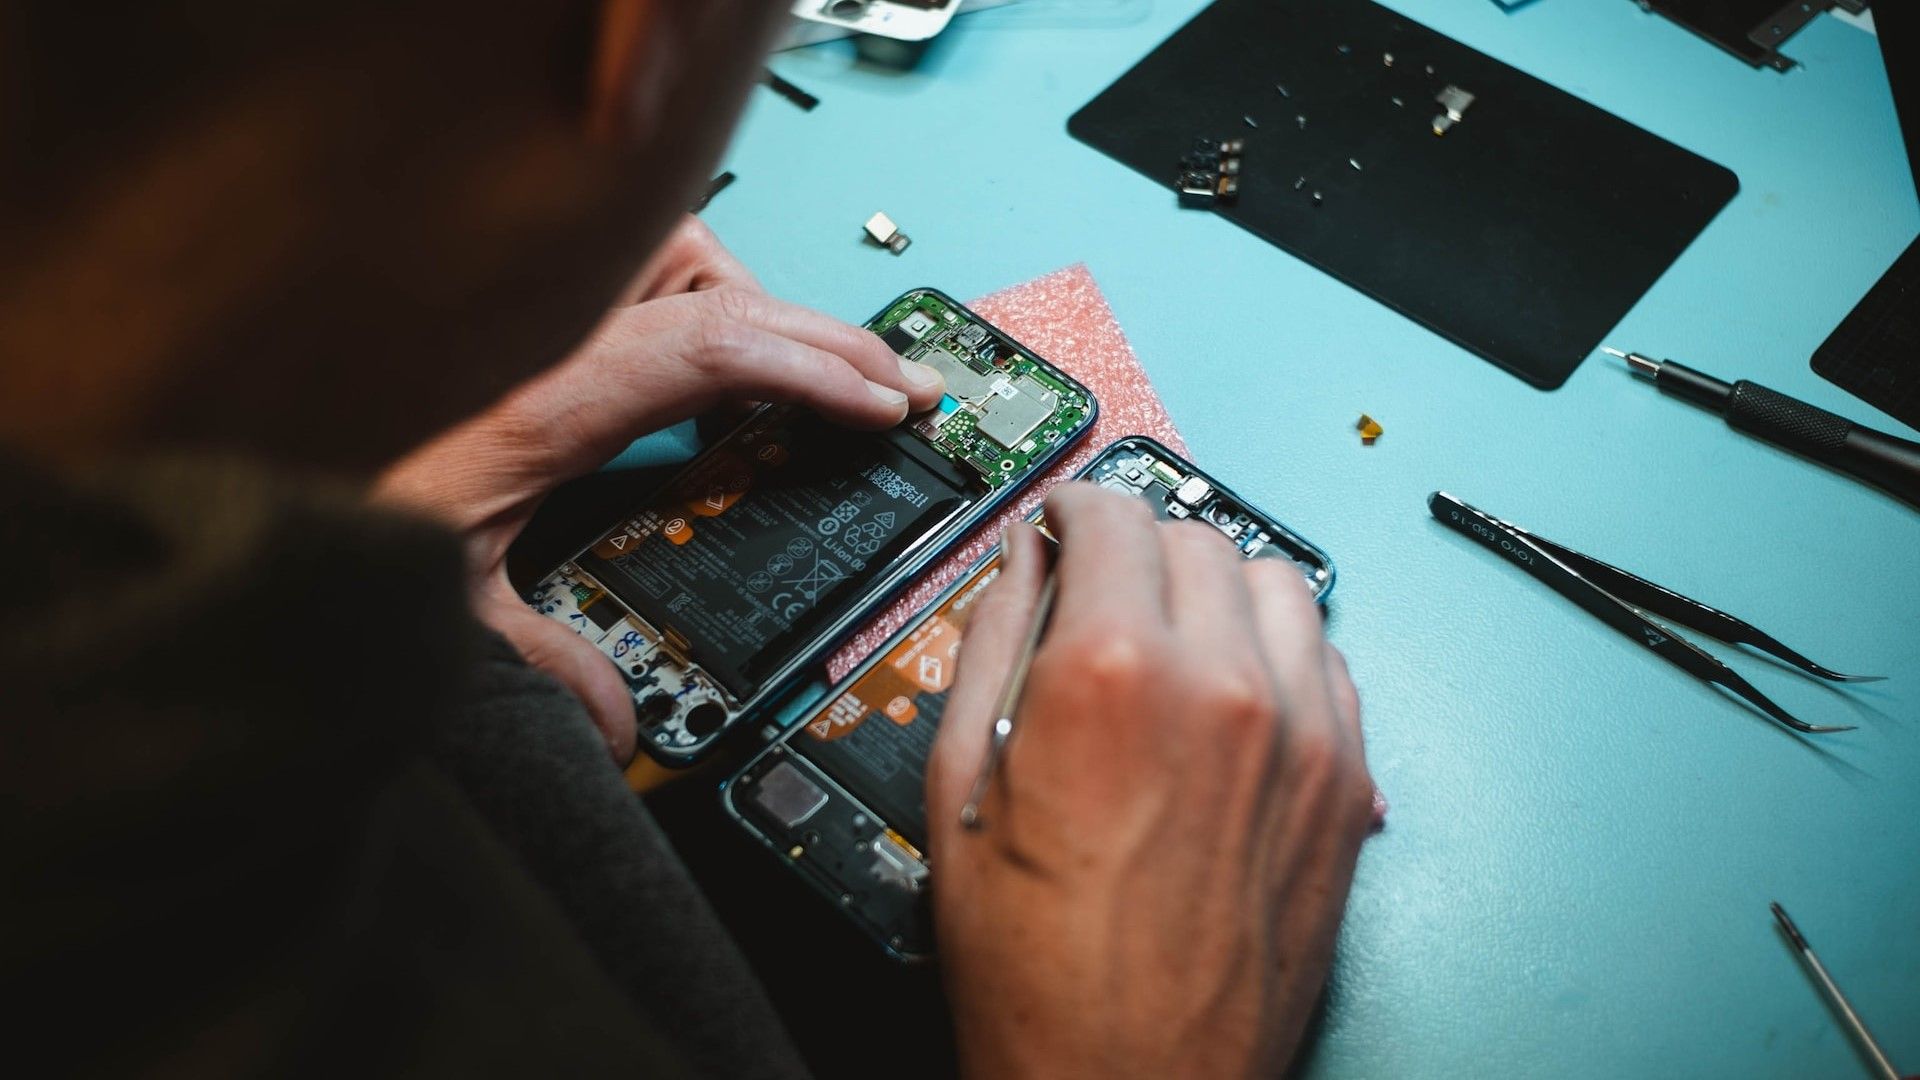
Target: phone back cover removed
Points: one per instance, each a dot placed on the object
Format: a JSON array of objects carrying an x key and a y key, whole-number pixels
[{"x": 1523, "y": 234}]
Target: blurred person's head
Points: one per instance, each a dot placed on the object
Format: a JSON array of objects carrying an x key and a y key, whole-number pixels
[{"x": 323, "y": 231}]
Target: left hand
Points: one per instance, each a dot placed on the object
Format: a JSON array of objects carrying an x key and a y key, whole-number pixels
[{"x": 700, "y": 332}]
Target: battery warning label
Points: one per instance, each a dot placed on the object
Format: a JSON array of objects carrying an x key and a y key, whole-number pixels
[
  {"x": 876, "y": 736},
  {"x": 749, "y": 554}
]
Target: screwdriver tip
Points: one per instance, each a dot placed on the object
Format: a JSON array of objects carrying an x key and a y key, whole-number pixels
[
  {"x": 1639, "y": 365},
  {"x": 1786, "y": 924}
]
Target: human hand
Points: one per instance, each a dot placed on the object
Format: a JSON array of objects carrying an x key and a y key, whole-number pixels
[
  {"x": 690, "y": 259},
  {"x": 1169, "y": 839},
  {"x": 705, "y": 335}
]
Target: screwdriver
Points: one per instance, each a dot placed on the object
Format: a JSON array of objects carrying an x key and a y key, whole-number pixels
[
  {"x": 1881, "y": 1067},
  {"x": 1885, "y": 461}
]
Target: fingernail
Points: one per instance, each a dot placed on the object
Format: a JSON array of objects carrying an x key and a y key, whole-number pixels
[
  {"x": 1006, "y": 548},
  {"x": 920, "y": 374},
  {"x": 894, "y": 398}
]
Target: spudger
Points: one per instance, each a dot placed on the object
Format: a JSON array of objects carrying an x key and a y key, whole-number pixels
[
  {"x": 1858, "y": 1028},
  {"x": 1885, "y": 461},
  {"x": 1008, "y": 703}
]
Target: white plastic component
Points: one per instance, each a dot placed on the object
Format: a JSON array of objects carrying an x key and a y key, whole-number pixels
[
  {"x": 887, "y": 234},
  {"x": 901, "y": 22},
  {"x": 1192, "y": 490}
]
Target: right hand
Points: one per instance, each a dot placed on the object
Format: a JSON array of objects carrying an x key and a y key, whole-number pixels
[{"x": 1168, "y": 842}]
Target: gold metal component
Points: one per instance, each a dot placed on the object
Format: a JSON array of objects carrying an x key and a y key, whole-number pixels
[{"x": 905, "y": 843}]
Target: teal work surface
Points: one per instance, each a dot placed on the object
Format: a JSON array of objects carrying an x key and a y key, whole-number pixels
[{"x": 1574, "y": 877}]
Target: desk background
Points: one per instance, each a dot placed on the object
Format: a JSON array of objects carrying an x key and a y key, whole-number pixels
[{"x": 1575, "y": 875}]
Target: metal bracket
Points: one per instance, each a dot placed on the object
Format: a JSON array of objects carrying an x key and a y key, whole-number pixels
[{"x": 1752, "y": 30}]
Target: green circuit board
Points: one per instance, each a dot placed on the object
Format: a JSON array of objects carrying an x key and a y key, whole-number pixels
[{"x": 1004, "y": 408}]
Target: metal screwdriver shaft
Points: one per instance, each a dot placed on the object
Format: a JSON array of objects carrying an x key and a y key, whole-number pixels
[
  {"x": 1878, "y": 1057},
  {"x": 1009, "y": 702}
]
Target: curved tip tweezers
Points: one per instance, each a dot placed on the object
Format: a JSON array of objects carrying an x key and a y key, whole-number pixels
[
  {"x": 1621, "y": 600},
  {"x": 1834, "y": 676}
]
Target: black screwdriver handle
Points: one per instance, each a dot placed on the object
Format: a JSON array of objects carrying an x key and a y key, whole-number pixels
[{"x": 1886, "y": 461}]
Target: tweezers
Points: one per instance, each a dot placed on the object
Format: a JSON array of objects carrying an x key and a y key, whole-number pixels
[{"x": 1625, "y": 601}]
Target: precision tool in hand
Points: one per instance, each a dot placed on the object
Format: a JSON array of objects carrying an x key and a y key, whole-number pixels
[
  {"x": 1624, "y": 601},
  {"x": 1885, "y": 461},
  {"x": 1009, "y": 701},
  {"x": 1858, "y": 1028}
]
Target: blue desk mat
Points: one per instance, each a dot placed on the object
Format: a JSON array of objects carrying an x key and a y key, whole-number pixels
[{"x": 1574, "y": 877}]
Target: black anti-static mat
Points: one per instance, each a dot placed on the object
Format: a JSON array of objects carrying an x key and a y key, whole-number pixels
[
  {"x": 1875, "y": 353},
  {"x": 1523, "y": 234}
]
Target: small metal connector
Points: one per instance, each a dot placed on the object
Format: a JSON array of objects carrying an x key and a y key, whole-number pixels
[{"x": 888, "y": 235}]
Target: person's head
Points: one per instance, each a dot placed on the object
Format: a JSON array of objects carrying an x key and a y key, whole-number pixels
[{"x": 321, "y": 232}]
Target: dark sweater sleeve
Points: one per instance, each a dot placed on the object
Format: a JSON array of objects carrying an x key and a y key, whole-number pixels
[
  {"x": 528, "y": 757},
  {"x": 240, "y": 835}
]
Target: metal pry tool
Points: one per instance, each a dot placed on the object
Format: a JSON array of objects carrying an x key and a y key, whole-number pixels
[
  {"x": 1008, "y": 703},
  {"x": 1624, "y": 601}
]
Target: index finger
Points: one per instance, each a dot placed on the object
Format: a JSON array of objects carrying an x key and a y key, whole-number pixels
[
  {"x": 1110, "y": 566},
  {"x": 858, "y": 346}
]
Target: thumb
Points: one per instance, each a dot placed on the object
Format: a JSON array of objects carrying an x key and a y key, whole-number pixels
[
  {"x": 989, "y": 649},
  {"x": 577, "y": 664}
]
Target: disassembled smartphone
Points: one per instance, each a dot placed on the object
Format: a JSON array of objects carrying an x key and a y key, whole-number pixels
[
  {"x": 839, "y": 795},
  {"x": 773, "y": 545}
]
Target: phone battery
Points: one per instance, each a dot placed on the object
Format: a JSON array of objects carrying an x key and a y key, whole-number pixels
[
  {"x": 877, "y": 734},
  {"x": 745, "y": 557}
]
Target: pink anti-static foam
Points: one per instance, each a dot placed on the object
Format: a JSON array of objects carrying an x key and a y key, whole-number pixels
[{"x": 1064, "y": 318}]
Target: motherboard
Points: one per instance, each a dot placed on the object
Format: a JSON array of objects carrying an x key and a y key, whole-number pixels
[{"x": 1003, "y": 408}]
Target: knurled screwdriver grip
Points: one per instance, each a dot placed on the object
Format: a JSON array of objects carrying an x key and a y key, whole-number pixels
[{"x": 1886, "y": 461}]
